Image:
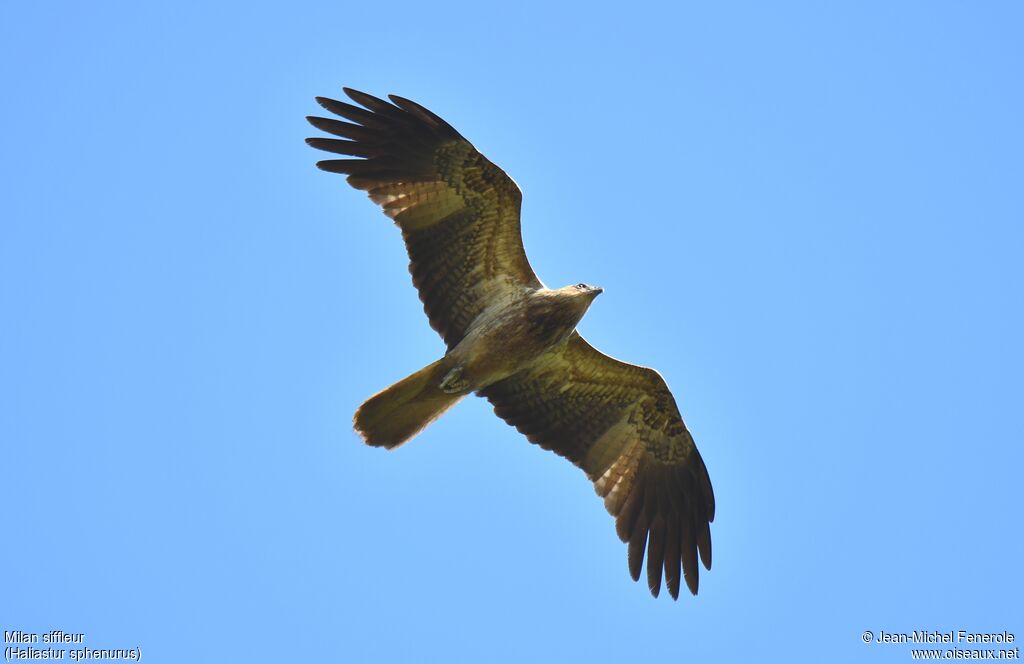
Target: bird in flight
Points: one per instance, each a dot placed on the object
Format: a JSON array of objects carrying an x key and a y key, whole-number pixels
[{"x": 513, "y": 341}]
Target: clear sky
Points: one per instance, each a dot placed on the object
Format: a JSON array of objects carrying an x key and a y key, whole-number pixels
[{"x": 807, "y": 216}]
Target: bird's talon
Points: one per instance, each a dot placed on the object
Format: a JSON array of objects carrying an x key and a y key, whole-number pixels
[{"x": 453, "y": 382}]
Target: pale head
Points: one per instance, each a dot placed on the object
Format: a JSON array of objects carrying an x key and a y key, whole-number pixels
[
  {"x": 581, "y": 290},
  {"x": 579, "y": 295}
]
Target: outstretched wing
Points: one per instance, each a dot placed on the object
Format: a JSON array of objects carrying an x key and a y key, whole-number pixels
[
  {"x": 620, "y": 424},
  {"x": 458, "y": 212}
]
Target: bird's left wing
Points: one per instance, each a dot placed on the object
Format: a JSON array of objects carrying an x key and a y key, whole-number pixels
[
  {"x": 459, "y": 213},
  {"x": 620, "y": 424}
]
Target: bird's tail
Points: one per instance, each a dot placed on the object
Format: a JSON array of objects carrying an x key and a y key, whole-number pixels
[{"x": 396, "y": 414}]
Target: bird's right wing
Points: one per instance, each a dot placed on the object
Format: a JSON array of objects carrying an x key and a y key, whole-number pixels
[{"x": 458, "y": 212}]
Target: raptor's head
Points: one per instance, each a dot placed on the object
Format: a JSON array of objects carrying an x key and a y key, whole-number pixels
[
  {"x": 562, "y": 308},
  {"x": 585, "y": 290},
  {"x": 581, "y": 296}
]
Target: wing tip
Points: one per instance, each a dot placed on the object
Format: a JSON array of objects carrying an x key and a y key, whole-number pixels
[
  {"x": 333, "y": 166},
  {"x": 692, "y": 583},
  {"x": 370, "y": 102},
  {"x": 355, "y": 95}
]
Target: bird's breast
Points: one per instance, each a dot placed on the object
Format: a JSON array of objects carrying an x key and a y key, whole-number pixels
[{"x": 509, "y": 340}]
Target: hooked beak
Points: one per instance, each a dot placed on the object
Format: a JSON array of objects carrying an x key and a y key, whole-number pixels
[{"x": 596, "y": 290}]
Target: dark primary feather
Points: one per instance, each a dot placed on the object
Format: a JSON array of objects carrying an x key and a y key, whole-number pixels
[
  {"x": 620, "y": 424},
  {"x": 458, "y": 212}
]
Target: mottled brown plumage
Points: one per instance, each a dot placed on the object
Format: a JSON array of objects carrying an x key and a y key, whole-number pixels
[{"x": 513, "y": 341}]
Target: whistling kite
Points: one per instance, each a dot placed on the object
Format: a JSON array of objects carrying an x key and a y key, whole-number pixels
[{"x": 512, "y": 340}]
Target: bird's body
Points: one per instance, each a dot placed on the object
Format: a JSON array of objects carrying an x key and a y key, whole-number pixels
[
  {"x": 513, "y": 341},
  {"x": 511, "y": 337}
]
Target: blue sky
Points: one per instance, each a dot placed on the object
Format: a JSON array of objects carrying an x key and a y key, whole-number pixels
[{"x": 807, "y": 216}]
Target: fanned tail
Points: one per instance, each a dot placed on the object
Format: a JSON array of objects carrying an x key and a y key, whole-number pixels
[{"x": 396, "y": 414}]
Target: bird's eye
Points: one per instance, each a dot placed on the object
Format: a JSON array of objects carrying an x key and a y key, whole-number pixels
[{"x": 581, "y": 286}]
